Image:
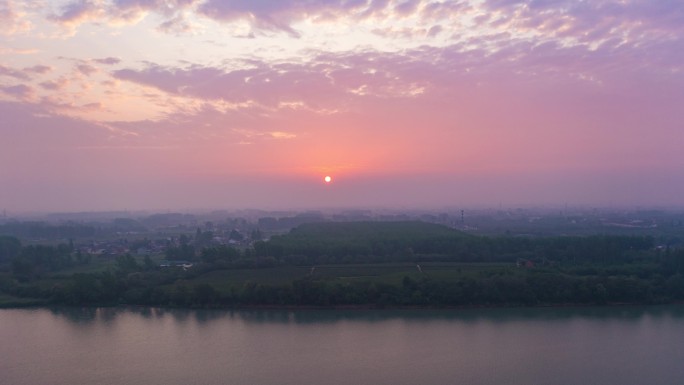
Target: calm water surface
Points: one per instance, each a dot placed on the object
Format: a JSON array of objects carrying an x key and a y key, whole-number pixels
[{"x": 495, "y": 346}]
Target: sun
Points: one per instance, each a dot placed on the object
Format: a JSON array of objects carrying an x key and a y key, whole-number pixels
[{"x": 327, "y": 179}]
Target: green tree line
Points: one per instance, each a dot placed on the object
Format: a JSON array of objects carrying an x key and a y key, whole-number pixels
[{"x": 596, "y": 269}]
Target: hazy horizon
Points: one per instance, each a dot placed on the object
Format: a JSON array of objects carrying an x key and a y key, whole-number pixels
[{"x": 193, "y": 104}]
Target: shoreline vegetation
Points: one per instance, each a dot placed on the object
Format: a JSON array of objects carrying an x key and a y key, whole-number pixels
[{"x": 355, "y": 265}]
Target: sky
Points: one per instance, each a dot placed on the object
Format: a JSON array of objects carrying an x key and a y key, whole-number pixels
[{"x": 184, "y": 104}]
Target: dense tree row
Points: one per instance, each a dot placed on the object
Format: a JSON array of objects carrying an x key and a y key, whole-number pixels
[
  {"x": 375, "y": 242},
  {"x": 517, "y": 288},
  {"x": 145, "y": 283},
  {"x": 32, "y": 261},
  {"x": 9, "y": 248},
  {"x": 568, "y": 270},
  {"x": 35, "y": 260}
]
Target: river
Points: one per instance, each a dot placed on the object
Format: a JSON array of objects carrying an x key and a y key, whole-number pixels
[{"x": 616, "y": 345}]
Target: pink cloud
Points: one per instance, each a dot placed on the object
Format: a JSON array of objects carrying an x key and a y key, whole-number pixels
[{"x": 11, "y": 20}]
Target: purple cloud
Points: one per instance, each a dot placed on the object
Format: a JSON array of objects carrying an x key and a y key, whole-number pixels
[
  {"x": 265, "y": 84},
  {"x": 162, "y": 6},
  {"x": 83, "y": 11},
  {"x": 629, "y": 21},
  {"x": 407, "y": 7},
  {"x": 39, "y": 69},
  {"x": 20, "y": 91},
  {"x": 435, "y": 10},
  {"x": 586, "y": 22},
  {"x": 77, "y": 12},
  {"x": 329, "y": 79},
  {"x": 14, "y": 73},
  {"x": 86, "y": 69},
  {"x": 55, "y": 85},
  {"x": 25, "y": 73},
  {"x": 108, "y": 60},
  {"x": 172, "y": 11},
  {"x": 280, "y": 15},
  {"x": 175, "y": 25},
  {"x": 435, "y": 30}
]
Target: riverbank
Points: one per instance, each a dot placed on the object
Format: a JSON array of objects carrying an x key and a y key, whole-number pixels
[
  {"x": 11, "y": 302},
  {"x": 8, "y": 302}
]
